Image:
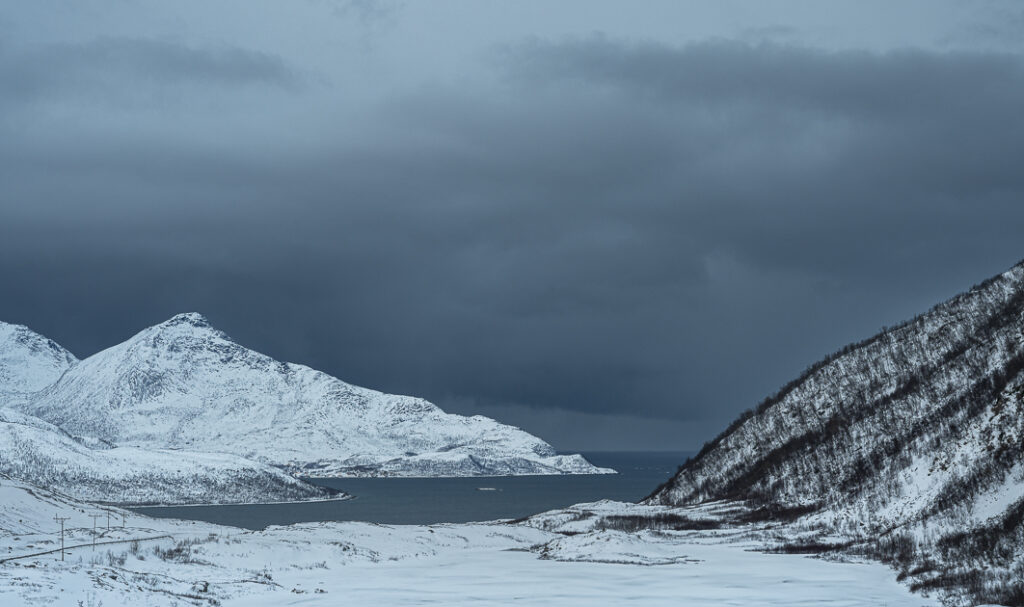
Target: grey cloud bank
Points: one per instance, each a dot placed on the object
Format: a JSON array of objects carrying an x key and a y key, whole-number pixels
[{"x": 566, "y": 231}]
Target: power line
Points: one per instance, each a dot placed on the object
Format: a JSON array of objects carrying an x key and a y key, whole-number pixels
[
  {"x": 61, "y": 519},
  {"x": 94, "y": 517}
]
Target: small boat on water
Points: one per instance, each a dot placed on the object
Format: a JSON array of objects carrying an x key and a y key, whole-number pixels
[{"x": 487, "y": 489}]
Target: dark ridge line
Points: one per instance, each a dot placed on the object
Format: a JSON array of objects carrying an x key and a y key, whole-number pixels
[{"x": 787, "y": 388}]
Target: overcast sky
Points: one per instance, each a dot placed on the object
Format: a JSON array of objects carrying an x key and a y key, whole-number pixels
[{"x": 615, "y": 224}]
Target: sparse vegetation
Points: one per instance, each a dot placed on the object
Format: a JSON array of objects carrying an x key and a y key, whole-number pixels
[
  {"x": 180, "y": 552},
  {"x": 936, "y": 402},
  {"x": 662, "y": 521}
]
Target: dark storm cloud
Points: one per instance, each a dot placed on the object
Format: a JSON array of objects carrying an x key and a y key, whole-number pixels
[
  {"x": 851, "y": 83},
  {"x": 608, "y": 228},
  {"x": 802, "y": 139}
]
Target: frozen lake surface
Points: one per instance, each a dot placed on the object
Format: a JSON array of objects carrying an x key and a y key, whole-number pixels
[{"x": 424, "y": 501}]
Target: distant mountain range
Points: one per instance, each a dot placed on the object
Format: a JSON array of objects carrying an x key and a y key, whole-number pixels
[
  {"x": 909, "y": 446},
  {"x": 184, "y": 386}
]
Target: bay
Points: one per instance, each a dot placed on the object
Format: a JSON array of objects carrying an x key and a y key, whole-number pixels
[{"x": 424, "y": 501}]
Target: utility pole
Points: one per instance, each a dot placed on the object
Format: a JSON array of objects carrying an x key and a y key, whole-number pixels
[
  {"x": 122, "y": 520},
  {"x": 61, "y": 520},
  {"x": 94, "y": 517},
  {"x": 108, "y": 520}
]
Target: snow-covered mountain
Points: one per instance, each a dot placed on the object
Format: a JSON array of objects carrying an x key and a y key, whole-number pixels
[
  {"x": 42, "y": 454},
  {"x": 184, "y": 385},
  {"x": 89, "y": 468},
  {"x": 909, "y": 444},
  {"x": 29, "y": 362}
]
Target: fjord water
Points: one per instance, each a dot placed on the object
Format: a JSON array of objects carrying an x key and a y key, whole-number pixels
[{"x": 421, "y": 501}]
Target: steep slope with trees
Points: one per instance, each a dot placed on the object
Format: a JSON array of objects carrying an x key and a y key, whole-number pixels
[{"x": 910, "y": 443}]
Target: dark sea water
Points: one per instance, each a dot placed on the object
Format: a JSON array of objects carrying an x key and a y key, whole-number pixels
[{"x": 452, "y": 500}]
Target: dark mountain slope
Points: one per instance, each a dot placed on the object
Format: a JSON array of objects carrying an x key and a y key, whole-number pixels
[{"x": 909, "y": 442}]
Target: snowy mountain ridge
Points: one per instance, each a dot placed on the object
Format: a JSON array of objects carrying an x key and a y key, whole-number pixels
[
  {"x": 910, "y": 445},
  {"x": 29, "y": 362},
  {"x": 185, "y": 385}
]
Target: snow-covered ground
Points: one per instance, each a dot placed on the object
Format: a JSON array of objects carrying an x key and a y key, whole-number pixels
[
  {"x": 531, "y": 563},
  {"x": 712, "y": 575}
]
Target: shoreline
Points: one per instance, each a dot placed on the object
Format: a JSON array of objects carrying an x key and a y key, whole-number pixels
[
  {"x": 346, "y": 498},
  {"x": 611, "y": 471}
]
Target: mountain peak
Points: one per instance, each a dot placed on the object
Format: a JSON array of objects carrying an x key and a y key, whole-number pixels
[
  {"x": 15, "y": 334},
  {"x": 193, "y": 319},
  {"x": 29, "y": 361},
  {"x": 185, "y": 326}
]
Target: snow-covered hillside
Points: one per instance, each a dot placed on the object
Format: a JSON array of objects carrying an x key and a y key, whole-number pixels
[
  {"x": 29, "y": 362},
  {"x": 909, "y": 444},
  {"x": 35, "y": 451},
  {"x": 185, "y": 385}
]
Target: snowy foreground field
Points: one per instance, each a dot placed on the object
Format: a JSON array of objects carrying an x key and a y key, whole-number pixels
[{"x": 546, "y": 560}]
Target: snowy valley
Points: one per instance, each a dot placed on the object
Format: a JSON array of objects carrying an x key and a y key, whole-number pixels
[
  {"x": 888, "y": 473},
  {"x": 548, "y": 559}
]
